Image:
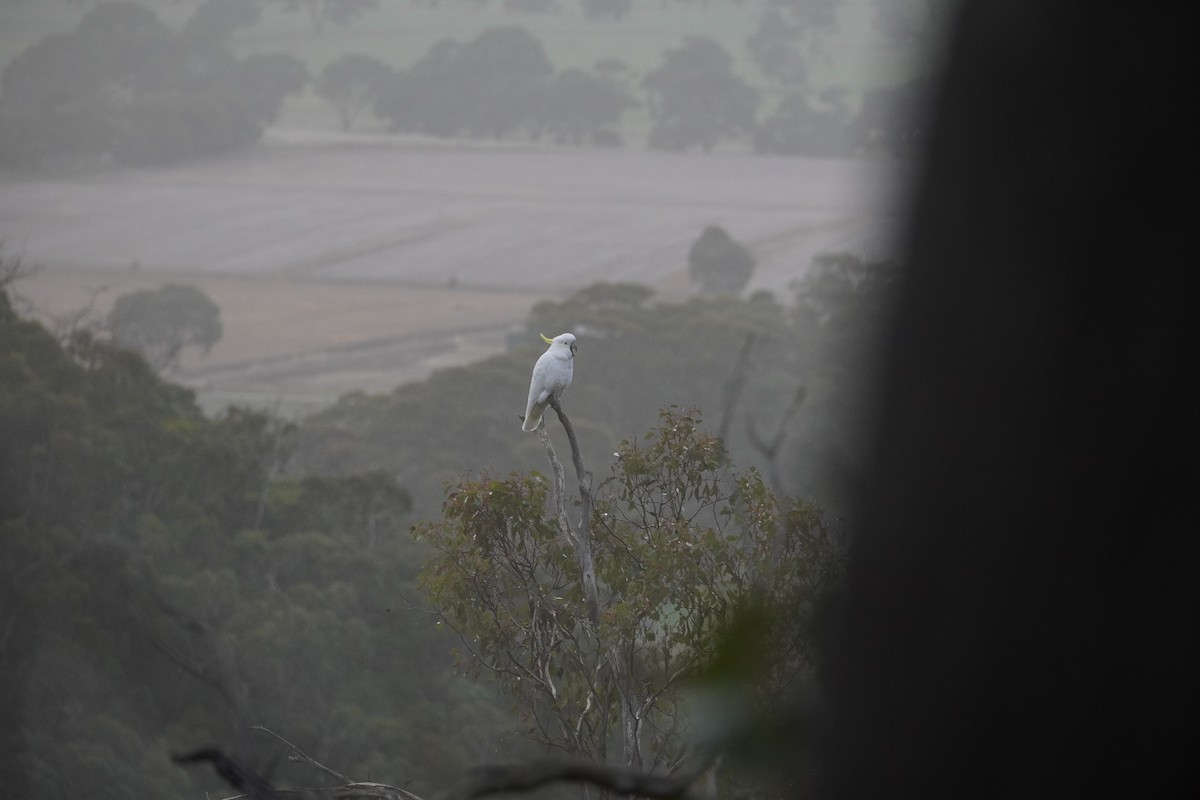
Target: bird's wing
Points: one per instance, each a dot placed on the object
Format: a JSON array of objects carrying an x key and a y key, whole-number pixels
[{"x": 539, "y": 393}]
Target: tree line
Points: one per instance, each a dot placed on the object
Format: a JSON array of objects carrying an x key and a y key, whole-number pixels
[
  {"x": 164, "y": 585},
  {"x": 124, "y": 86}
]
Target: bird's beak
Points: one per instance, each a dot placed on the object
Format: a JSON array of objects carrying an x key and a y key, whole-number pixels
[
  {"x": 573, "y": 348},
  {"x": 546, "y": 338}
]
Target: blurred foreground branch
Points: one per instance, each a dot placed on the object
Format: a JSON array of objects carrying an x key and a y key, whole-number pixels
[{"x": 495, "y": 778}]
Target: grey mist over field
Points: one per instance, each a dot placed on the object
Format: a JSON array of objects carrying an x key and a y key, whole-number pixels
[
  {"x": 274, "y": 276},
  {"x": 364, "y": 258},
  {"x": 840, "y": 493}
]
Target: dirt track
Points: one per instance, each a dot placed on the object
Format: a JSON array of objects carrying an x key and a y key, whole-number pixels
[{"x": 362, "y": 263}]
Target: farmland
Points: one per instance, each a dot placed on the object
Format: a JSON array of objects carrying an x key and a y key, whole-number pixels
[{"x": 359, "y": 263}]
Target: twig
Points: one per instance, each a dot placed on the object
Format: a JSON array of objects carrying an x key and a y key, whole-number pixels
[{"x": 302, "y": 757}]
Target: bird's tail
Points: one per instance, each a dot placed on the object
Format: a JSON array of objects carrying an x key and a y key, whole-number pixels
[{"x": 532, "y": 419}]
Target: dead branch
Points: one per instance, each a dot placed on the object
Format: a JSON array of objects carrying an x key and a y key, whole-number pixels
[
  {"x": 734, "y": 386},
  {"x": 581, "y": 539},
  {"x": 772, "y": 449},
  {"x": 300, "y": 757}
]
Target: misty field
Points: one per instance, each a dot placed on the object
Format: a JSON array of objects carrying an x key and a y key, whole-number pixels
[{"x": 345, "y": 263}]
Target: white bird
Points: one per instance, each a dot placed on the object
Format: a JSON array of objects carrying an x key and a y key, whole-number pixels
[{"x": 551, "y": 375}]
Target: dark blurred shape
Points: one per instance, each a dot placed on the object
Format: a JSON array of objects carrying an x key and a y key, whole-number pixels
[
  {"x": 1020, "y": 617},
  {"x": 352, "y": 83},
  {"x": 126, "y": 87},
  {"x": 232, "y": 772},
  {"x": 486, "y": 87},
  {"x": 160, "y": 323},
  {"x": 606, "y": 9},
  {"x": 718, "y": 263},
  {"x": 696, "y": 99}
]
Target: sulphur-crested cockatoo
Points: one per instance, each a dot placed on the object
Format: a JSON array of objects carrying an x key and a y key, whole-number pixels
[{"x": 551, "y": 375}]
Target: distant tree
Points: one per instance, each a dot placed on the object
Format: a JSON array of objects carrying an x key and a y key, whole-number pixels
[
  {"x": 913, "y": 23},
  {"x": 167, "y": 128},
  {"x": 842, "y": 301},
  {"x": 118, "y": 50},
  {"x": 606, "y": 9},
  {"x": 351, "y": 84},
  {"x": 123, "y": 84},
  {"x": 429, "y": 97},
  {"x": 502, "y": 68},
  {"x": 216, "y": 20},
  {"x": 160, "y": 323},
  {"x": 717, "y": 264},
  {"x": 695, "y": 98},
  {"x": 487, "y": 87},
  {"x": 531, "y": 6},
  {"x": 319, "y": 12},
  {"x": 890, "y": 119},
  {"x": 263, "y": 82},
  {"x": 789, "y": 38},
  {"x": 576, "y": 107},
  {"x": 798, "y": 127}
]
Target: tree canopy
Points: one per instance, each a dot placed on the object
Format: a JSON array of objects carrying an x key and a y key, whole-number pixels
[
  {"x": 124, "y": 85},
  {"x": 695, "y": 98},
  {"x": 160, "y": 323},
  {"x": 351, "y": 84},
  {"x": 682, "y": 542},
  {"x": 161, "y": 586},
  {"x": 717, "y": 263}
]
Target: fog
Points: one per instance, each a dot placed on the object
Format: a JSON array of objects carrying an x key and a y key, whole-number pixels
[
  {"x": 223, "y": 513},
  {"x": 309, "y": 207},
  {"x": 868, "y": 498}
]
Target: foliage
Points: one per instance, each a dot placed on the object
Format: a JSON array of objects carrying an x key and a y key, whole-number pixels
[
  {"x": 911, "y": 21},
  {"x": 681, "y": 541},
  {"x": 126, "y": 86},
  {"x": 217, "y": 20},
  {"x": 484, "y": 88},
  {"x": 789, "y": 38},
  {"x": 319, "y": 12},
  {"x": 160, "y": 589},
  {"x": 606, "y": 9},
  {"x": 890, "y": 120},
  {"x": 718, "y": 264},
  {"x": 160, "y": 323},
  {"x": 696, "y": 100},
  {"x": 352, "y": 84},
  {"x": 576, "y": 107},
  {"x": 800, "y": 127},
  {"x": 264, "y": 81},
  {"x": 635, "y": 356}
]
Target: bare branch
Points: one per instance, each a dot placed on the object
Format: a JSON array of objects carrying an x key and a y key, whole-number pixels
[
  {"x": 734, "y": 386},
  {"x": 301, "y": 757},
  {"x": 582, "y": 539},
  {"x": 771, "y": 450},
  {"x": 12, "y": 269}
]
